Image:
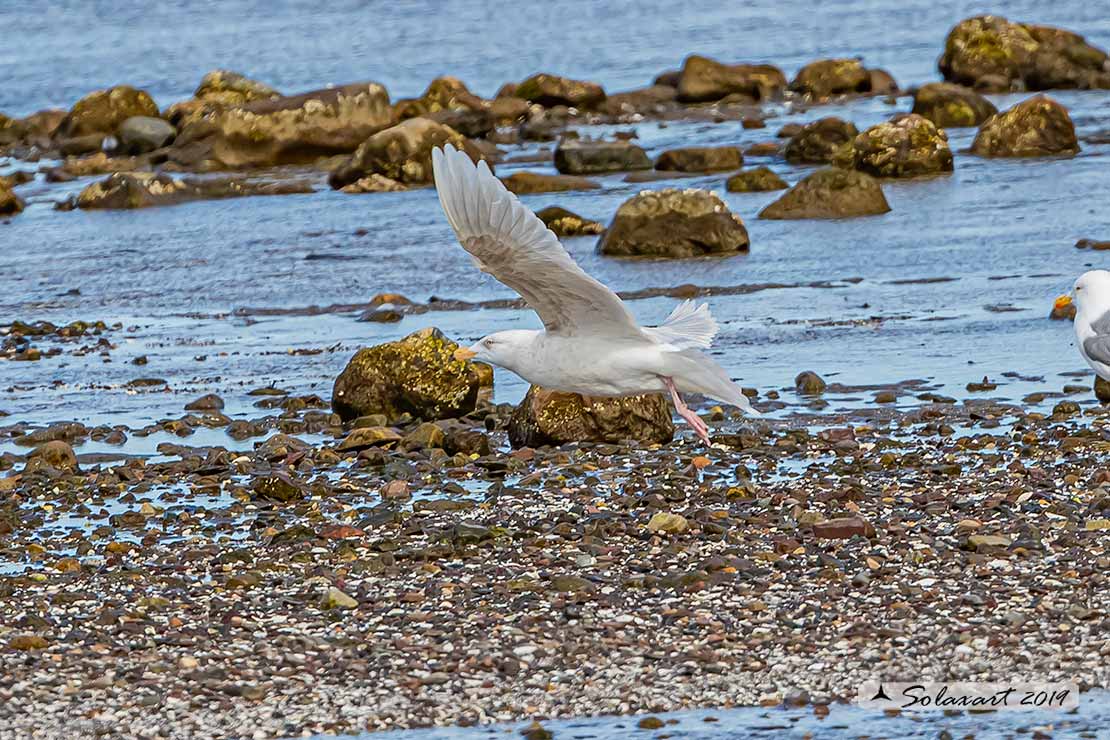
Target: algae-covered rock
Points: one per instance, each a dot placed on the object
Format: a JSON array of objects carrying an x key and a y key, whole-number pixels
[
  {"x": 449, "y": 102},
  {"x": 827, "y": 77},
  {"x": 417, "y": 375},
  {"x": 830, "y": 193},
  {"x": 700, "y": 159},
  {"x": 551, "y": 90},
  {"x": 565, "y": 223},
  {"x": 755, "y": 180},
  {"x": 402, "y": 153},
  {"x": 993, "y": 53},
  {"x": 820, "y": 141},
  {"x": 574, "y": 157},
  {"x": 1037, "y": 127},
  {"x": 148, "y": 189},
  {"x": 102, "y": 112},
  {"x": 547, "y": 417},
  {"x": 220, "y": 88},
  {"x": 952, "y": 106},
  {"x": 523, "y": 183},
  {"x": 291, "y": 130},
  {"x": 57, "y": 454},
  {"x": 704, "y": 80},
  {"x": 906, "y": 146},
  {"x": 674, "y": 223}
]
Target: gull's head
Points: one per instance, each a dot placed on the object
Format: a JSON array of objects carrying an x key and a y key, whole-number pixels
[
  {"x": 504, "y": 349},
  {"x": 1092, "y": 291}
]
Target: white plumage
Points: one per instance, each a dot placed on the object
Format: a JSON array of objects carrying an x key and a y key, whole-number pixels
[
  {"x": 591, "y": 344},
  {"x": 1092, "y": 320}
]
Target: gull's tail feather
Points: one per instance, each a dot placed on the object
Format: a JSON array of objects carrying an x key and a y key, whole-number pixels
[
  {"x": 694, "y": 372},
  {"x": 690, "y": 326}
]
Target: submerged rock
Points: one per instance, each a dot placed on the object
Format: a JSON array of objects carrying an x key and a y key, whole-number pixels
[
  {"x": 827, "y": 77},
  {"x": 992, "y": 53},
  {"x": 102, "y": 112},
  {"x": 952, "y": 106},
  {"x": 551, "y": 90},
  {"x": 755, "y": 180},
  {"x": 57, "y": 454},
  {"x": 142, "y": 134},
  {"x": 830, "y": 193},
  {"x": 700, "y": 159},
  {"x": 906, "y": 146},
  {"x": 573, "y": 157},
  {"x": 674, "y": 223},
  {"x": 705, "y": 80},
  {"x": 402, "y": 153},
  {"x": 820, "y": 141},
  {"x": 547, "y": 417},
  {"x": 416, "y": 375},
  {"x": 523, "y": 183},
  {"x": 565, "y": 223},
  {"x": 1037, "y": 127},
  {"x": 147, "y": 189},
  {"x": 291, "y": 130}
]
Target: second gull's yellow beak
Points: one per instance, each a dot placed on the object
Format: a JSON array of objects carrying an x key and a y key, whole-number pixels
[
  {"x": 1062, "y": 302},
  {"x": 462, "y": 354}
]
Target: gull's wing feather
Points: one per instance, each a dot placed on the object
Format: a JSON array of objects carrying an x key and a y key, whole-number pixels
[
  {"x": 1097, "y": 347},
  {"x": 690, "y": 326},
  {"x": 508, "y": 241}
]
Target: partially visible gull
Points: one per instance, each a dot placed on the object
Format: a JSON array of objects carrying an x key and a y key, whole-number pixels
[
  {"x": 1092, "y": 318},
  {"x": 590, "y": 343}
]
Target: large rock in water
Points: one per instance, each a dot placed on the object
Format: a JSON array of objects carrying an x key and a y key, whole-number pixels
[
  {"x": 10, "y": 203},
  {"x": 547, "y": 417},
  {"x": 756, "y": 180},
  {"x": 906, "y": 146},
  {"x": 1037, "y": 127},
  {"x": 448, "y": 101},
  {"x": 142, "y": 134},
  {"x": 523, "y": 183},
  {"x": 820, "y": 141},
  {"x": 417, "y": 375},
  {"x": 827, "y": 77},
  {"x": 402, "y": 153},
  {"x": 830, "y": 193},
  {"x": 952, "y": 106},
  {"x": 550, "y": 90},
  {"x": 220, "y": 88},
  {"x": 700, "y": 159},
  {"x": 567, "y": 223},
  {"x": 705, "y": 80},
  {"x": 102, "y": 112},
  {"x": 674, "y": 223},
  {"x": 147, "y": 189},
  {"x": 574, "y": 157},
  {"x": 293, "y": 130},
  {"x": 992, "y": 53}
]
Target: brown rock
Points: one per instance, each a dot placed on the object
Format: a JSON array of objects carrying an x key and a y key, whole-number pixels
[
  {"x": 548, "y": 417},
  {"x": 705, "y": 80},
  {"x": 755, "y": 180},
  {"x": 10, "y": 203},
  {"x": 952, "y": 106},
  {"x": 674, "y": 223},
  {"x": 523, "y": 183},
  {"x": 1102, "y": 389},
  {"x": 843, "y": 528},
  {"x": 827, "y": 77},
  {"x": 820, "y": 141},
  {"x": 402, "y": 153},
  {"x": 700, "y": 159},
  {"x": 102, "y": 112},
  {"x": 830, "y": 193},
  {"x": 649, "y": 100},
  {"x": 551, "y": 90},
  {"x": 373, "y": 184},
  {"x": 57, "y": 454},
  {"x": 362, "y": 438},
  {"x": 148, "y": 189},
  {"x": 906, "y": 146},
  {"x": 564, "y": 223},
  {"x": 575, "y": 157},
  {"x": 1037, "y": 127}
]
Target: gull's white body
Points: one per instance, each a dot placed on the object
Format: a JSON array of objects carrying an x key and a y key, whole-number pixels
[
  {"x": 590, "y": 344},
  {"x": 1092, "y": 320}
]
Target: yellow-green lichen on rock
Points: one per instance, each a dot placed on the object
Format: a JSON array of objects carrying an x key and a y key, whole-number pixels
[
  {"x": 417, "y": 375},
  {"x": 820, "y": 141},
  {"x": 831, "y": 192},
  {"x": 566, "y": 223},
  {"x": 952, "y": 106},
  {"x": 1036, "y": 127},
  {"x": 102, "y": 112},
  {"x": 547, "y": 417},
  {"x": 551, "y": 90},
  {"x": 402, "y": 153},
  {"x": 704, "y": 80},
  {"x": 674, "y": 223},
  {"x": 827, "y": 77},
  {"x": 906, "y": 146}
]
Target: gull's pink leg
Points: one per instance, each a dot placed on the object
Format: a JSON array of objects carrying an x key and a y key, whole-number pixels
[{"x": 684, "y": 411}]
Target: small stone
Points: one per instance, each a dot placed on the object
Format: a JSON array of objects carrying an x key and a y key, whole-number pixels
[
  {"x": 210, "y": 402},
  {"x": 336, "y": 599},
  {"x": 650, "y": 723},
  {"x": 843, "y": 528},
  {"x": 536, "y": 731},
  {"x": 28, "y": 642},
  {"x": 666, "y": 522},
  {"x": 809, "y": 383},
  {"x": 57, "y": 454},
  {"x": 978, "y": 541}
]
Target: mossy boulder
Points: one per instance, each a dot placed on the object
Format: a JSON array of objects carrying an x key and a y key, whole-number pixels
[
  {"x": 705, "y": 80},
  {"x": 566, "y": 223},
  {"x": 993, "y": 53},
  {"x": 1036, "y": 127},
  {"x": 700, "y": 159},
  {"x": 820, "y": 141},
  {"x": 906, "y": 146},
  {"x": 417, "y": 375},
  {"x": 831, "y": 192},
  {"x": 674, "y": 223},
  {"x": 576, "y": 157},
  {"x": 442, "y": 94},
  {"x": 952, "y": 106},
  {"x": 220, "y": 88},
  {"x": 402, "y": 153},
  {"x": 10, "y": 203},
  {"x": 57, "y": 454},
  {"x": 102, "y": 112},
  {"x": 125, "y": 190},
  {"x": 291, "y": 130},
  {"x": 547, "y": 417},
  {"x": 551, "y": 90},
  {"x": 827, "y": 77},
  {"x": 523, "y": 183},
  {"x": 755, "y": 180}
]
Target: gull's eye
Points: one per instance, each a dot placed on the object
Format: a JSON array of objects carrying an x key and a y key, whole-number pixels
[{"x": 488, "y": 342}]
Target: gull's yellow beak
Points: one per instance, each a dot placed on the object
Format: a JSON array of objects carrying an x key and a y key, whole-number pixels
[
  {"x": 1062, "y": 302},
  {"x": 462, "y": 354}
]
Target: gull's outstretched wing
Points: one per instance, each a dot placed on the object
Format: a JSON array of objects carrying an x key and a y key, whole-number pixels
[
  {"x": 508, "y": 241},
  {"x": 1098, "y": 346}
]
